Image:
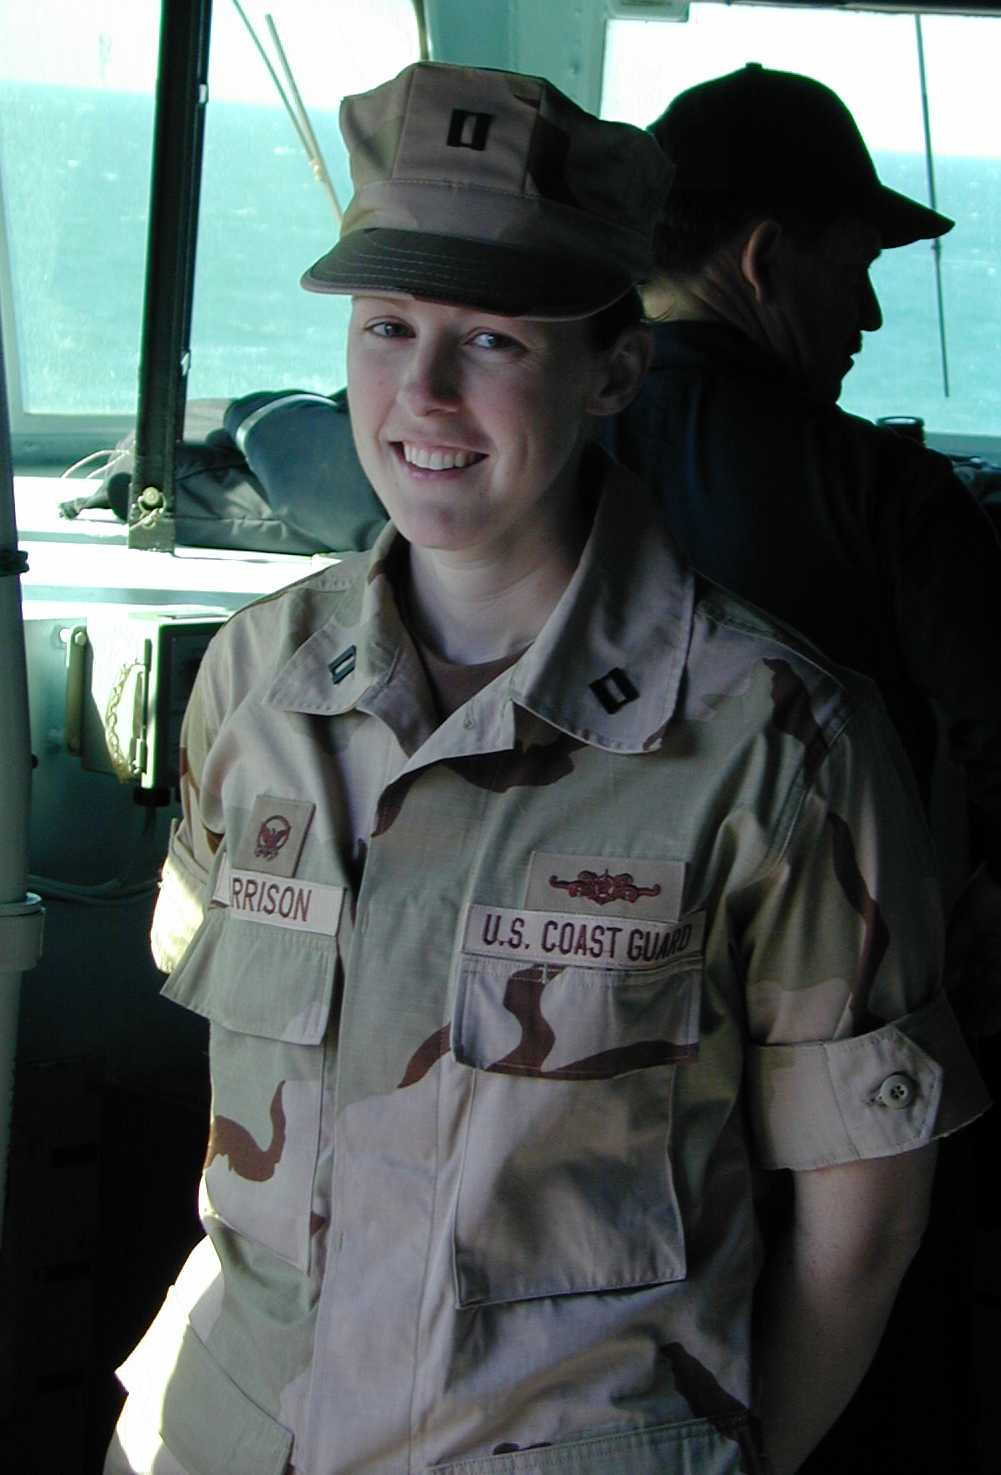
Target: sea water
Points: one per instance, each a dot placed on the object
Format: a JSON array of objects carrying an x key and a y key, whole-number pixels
[{"x": 75, "y": 169}]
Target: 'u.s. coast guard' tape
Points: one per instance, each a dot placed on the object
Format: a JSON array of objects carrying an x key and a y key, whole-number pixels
[{"x": 567, "y": 938}]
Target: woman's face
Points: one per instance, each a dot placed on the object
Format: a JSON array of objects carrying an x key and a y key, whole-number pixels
[{"x": 469, "y": 425}]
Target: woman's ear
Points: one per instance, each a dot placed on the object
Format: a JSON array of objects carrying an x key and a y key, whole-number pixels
[
  {"x": 757, "y": 259},
  {"x": 623, "y": 367}
]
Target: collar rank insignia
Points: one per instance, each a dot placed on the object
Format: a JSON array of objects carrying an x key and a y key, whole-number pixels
[{"x": 614, "y": 690}]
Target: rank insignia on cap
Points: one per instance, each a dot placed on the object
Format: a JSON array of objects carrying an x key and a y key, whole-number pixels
[{"x": 468, "y": 130}]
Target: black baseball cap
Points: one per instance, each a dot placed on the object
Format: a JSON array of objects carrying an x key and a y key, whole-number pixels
[{"x": 777, "y": 139}]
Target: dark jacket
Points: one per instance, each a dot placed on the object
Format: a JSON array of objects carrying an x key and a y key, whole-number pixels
[{"x": 864, "y": 541}]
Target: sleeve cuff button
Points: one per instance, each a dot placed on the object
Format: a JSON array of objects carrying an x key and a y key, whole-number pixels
[{"x": 897, "y": 1091}]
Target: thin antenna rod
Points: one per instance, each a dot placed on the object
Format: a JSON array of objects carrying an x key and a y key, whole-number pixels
[
  {"x": 936, "y": 245},
  {"x": 302, "y": 124},
  {"x": 274, "y": 75},
  {"x": 316, "y": 159}
]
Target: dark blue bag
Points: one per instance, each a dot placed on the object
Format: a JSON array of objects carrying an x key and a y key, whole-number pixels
[
  {"x": 300, "y": 448},
  {"x": 271, "y": 472}
]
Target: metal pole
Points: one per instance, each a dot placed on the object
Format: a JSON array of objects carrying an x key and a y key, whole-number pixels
[
  {"x": 20, "y": 913},
  {"x": 181, "y": 95}
]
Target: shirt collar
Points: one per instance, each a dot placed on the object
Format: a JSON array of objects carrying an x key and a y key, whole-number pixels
[
  {"x": 354, "y": 653},
  {"x": 605, "y": 668},
  {"x": 607, "y": 665}
]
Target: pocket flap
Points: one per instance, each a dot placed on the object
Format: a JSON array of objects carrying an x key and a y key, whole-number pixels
[
  {"x": 210, "y": 1425},
  {"x": 687, "y": 1447},
  {"x": 257, "y": 980},
  {"x": 574, "y": 1023}
]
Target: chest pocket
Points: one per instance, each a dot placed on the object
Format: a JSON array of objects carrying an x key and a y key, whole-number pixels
[
  {"x": 566, "y": 1182},
  {"x": 267, "y": 992}
]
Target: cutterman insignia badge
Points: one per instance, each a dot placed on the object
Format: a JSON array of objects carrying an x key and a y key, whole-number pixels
[
  {"x": 634, "y": 886},
  {"x": 605, "y": 888}
]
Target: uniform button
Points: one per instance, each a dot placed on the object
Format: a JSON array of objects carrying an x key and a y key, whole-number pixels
[{"x": 897, "y": 1090}]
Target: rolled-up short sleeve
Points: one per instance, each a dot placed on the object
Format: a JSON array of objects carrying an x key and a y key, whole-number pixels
[
  {"x": 820, "y": 1103},
  {"x": 193, "y": 841},
  {"x": 854, "y": 1050}
]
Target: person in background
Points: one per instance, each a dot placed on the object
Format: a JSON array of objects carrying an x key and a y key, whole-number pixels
[
  {"x": 865, "y": 542},
  {"x": 538, "y": 895}
]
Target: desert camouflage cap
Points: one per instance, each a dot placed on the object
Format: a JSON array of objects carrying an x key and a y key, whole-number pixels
[{"x": 492, "y": 189}]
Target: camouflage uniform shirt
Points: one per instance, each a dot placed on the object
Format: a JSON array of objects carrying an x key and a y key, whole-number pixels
[{"x": 505, "y": 1013}]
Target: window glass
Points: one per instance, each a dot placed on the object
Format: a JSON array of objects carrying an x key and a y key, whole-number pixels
[
  {"x": 264, "y": 218},
  {"x": 871, "y": 61},
  {"x": 77, "y": 86},
  {"x": 76, "y": 129}
]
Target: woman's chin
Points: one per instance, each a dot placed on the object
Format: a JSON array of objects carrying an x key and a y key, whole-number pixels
[{"x": 443, "y": 534}]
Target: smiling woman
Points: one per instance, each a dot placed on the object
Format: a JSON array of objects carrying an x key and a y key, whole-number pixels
[
  {"x": 593, "y": 889},
  {"x": 469, "y": 424},
  {"x": 471, "y": 429}
]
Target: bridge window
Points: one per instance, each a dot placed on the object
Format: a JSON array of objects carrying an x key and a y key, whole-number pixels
[{"x": 76, "y": 128}]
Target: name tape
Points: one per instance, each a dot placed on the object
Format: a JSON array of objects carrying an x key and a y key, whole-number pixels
[
  {"x": 305, "y": 906},
  {"x": 567, "y": 937}
]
